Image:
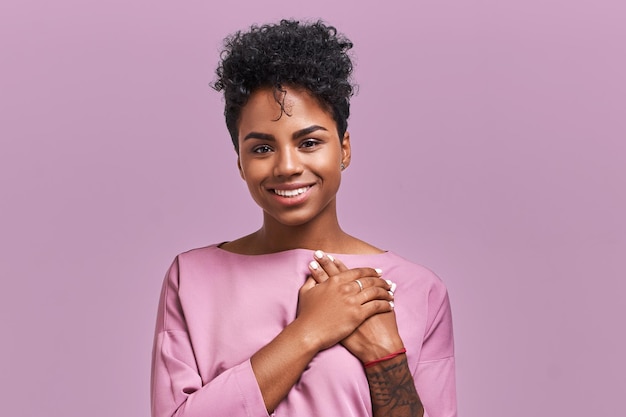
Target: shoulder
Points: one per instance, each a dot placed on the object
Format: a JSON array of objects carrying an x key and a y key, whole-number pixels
[
  {"x": 413, "y": 271},
  {"x": 201, "y": 254},
  {"x": 198, "y": 259},
  {"x": 416, "y": 281},
  {"x": 421, "y": 293}
]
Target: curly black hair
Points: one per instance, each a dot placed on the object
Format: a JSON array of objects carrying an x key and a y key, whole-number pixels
[{"x": 312, "y": 56}]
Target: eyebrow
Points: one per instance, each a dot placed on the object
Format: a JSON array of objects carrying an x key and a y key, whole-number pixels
[
  {"x": 307, "y": 131},
  {"x": 296, "y": 135}
]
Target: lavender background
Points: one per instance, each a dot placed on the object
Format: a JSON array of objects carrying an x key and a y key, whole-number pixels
[{"x": 489, "y": 144}]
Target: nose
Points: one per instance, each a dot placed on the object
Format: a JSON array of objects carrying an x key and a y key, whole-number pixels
[{"x": 287, "y": 163}]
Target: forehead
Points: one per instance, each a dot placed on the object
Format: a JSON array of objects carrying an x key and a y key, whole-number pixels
[{"x": 298, "y": 106}]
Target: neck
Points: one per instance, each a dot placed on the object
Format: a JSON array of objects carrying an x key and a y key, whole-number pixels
[{"x": 322, "y": 233}]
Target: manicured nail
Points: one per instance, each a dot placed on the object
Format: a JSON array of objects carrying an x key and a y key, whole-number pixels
[
  {"x": 314, "y": 265},
  {"x": 390, "y": 293},
  {"x": 331, "y": 258},
  {"x": 393, "y": 287},
  {"x": 392, "y": 304},
  {"x": 379, "y": 272},
  {"x": 318, "y": 254},
  {"x": 389, "y": 282}
]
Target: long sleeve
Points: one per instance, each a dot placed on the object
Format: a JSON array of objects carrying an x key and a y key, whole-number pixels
[
  {"x": 218, "y": 308},
  {"x": 435, "y": 376},
  {"x": 177, "y": 386}
]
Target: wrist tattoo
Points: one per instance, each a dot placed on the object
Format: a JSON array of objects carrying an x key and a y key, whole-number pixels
[{"x": 393, "y": 390}]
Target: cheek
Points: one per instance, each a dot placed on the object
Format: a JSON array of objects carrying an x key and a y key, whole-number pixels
[
  {"x": 250, "y": 179},
  {"x": 331, "y": 165},
  {"x": 252, "y": 174}
]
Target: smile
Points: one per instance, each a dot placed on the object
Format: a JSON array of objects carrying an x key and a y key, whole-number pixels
[{"x": 291, "y": 193}]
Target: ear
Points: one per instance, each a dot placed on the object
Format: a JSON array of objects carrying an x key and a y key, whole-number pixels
[
  {"x": 346, "y": 150},
  {"x": 240, "y": 169}
]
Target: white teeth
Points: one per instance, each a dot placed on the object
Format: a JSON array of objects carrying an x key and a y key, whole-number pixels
[{"x": 291, "y": 193}]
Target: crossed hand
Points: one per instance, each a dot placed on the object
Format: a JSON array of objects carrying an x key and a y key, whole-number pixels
[{"x": 353, "y": 307}]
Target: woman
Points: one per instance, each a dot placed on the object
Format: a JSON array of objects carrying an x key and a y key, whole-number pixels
[{"x": 298, "y": 318}]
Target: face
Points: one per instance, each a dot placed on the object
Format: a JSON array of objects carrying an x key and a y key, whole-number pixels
[{"x": 291, "y": 164}]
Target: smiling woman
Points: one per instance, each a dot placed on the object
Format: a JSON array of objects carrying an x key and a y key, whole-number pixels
[
  {"x": 292, "y": 165},
  {"x": 298, "y": 318}
]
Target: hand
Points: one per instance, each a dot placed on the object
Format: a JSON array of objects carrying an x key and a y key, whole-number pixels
[
  {"x": 378, "y": 335},
  {"x": 331, "y": 310}
]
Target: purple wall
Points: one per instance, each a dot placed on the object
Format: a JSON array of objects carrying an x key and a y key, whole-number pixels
[{"x": 489, "y": 143}]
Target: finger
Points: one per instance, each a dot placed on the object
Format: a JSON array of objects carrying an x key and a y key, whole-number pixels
[
  {"x": 376, "y": 282},
  {"x": 359, "y": 284},
  {"x": 327, "y": 262},
  {"x": 392, "y": 285},
  {"x": 376, "y": 307},
  {"x": 308, "y": 284},
  {"x": 356, "y": 273},
  {"x": 340, "y": 265},
  {"x": 375, "y": 293},
  {"x": 368, "y": 282},
  {"x": 317, "y": 272}
]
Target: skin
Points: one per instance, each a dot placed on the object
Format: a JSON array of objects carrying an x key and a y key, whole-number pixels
[
  {"x": 270, "y": 157},
  {"x": 391, "y": 384},
  {"x": 301, "y": 150}
]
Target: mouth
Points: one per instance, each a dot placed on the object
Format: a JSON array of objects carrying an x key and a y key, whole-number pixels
[{"x": 291, "y": 193}]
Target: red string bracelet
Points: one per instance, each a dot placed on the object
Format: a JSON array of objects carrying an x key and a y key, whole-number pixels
[{"x": 385, "y": 358}]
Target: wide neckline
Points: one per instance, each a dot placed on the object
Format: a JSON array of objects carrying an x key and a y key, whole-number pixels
[{"x": 217, "y": 247}]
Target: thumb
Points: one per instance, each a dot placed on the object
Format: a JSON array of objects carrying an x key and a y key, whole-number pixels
[{"x": 308, "y": 284}]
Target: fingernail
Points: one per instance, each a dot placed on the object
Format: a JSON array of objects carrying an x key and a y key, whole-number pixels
[
  {"x": 389, "y": 282},
  {"x": 314, "y": 265},
  {"x": 379, "y": 271},
  {"x": 393, "y": 287},
  {"x": 390, "y": 293},
  {"x": 318, "y": 254},
  {"x": 331, "y": 258},
  {"x": 392, "y": 304}
]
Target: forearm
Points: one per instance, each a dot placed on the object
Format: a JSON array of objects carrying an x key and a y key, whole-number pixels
[
  {"x": 178, "y": 389},
  {"x": 250, "y": 388},
  {"x": 279, "y": 364},
  {"x": 393, "y": 390}
]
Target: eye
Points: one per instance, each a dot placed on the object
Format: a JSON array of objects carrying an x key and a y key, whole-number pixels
[
  {"x": 309, "y": 144},
  {"x": 261, "y": 149}
]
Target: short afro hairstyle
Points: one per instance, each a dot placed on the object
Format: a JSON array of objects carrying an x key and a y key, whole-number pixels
[{"x": 306, "y": 55}]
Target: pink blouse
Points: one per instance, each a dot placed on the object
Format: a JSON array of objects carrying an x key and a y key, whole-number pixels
[{"x": 218, "y": 308}]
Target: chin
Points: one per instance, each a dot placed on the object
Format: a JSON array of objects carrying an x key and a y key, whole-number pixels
[
  {"x": 293, "y": 219},
  {"x": 300, "y": 216}
]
